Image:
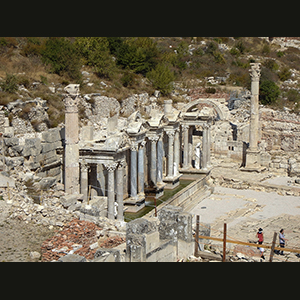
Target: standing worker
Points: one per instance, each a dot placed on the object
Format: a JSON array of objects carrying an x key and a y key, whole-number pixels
[
  {"x": 260, "y": 236},
  {"x": 282, "y": 240}
]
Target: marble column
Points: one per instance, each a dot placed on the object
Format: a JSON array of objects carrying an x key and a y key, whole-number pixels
[
  {"x": 71, "y": 148},
  {"x": 160, "y": 151},
  {"x": 120, "y": 191},
  {"x": 185, "y": 146},
  {"x": 205, "y": 146},
  {"x": 153, "y": 162},
  {"x": 111, "y": 167},
  {"x": 141, "y": 177},
  {"x": 254, "y": 116},
  {"x": 84, "y": 180},
  {"x": 176, "y": 153},
  {"x": 133, "y": 170},
  {"x": 170, "y": 172}
]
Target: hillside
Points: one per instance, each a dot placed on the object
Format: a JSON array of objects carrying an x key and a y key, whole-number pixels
[{"x": 34, "y": 70}]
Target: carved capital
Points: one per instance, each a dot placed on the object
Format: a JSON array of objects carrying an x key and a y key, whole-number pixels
[
  {"x": 255, "y": 71},
  {"x": 110, "y": 166},
  {"x": 153, "y": 139},
  {"x": 185, "y": 127},
  {"x": 170, "y": 134},
  {"x": 142, "y": 144},
  {"x": 121, "y": 164},
  {"x": 134, "y": 146},
  {"x": 71, "y": 104}
]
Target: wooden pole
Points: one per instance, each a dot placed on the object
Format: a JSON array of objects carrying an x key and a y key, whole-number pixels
[
  {"x": 273, "y": 247},
  {"x": 224, "y": 242},
  {"x": 196, "y": 236}
]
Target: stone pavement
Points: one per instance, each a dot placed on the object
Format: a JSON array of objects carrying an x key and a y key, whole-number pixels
[{"x": 245, "y": 210}]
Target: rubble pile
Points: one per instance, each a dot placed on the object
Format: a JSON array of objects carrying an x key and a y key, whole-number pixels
[{"x": 77, "y": 237}]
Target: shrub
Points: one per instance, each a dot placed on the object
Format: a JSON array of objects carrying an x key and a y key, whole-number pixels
[
  {"x": 10, "y": 84},
  {"x": 161, "y": 78},
  {"x": 128, "y": 78},
  {"x": 269, "y": 92},
  {"x": 284, "y": 74}
]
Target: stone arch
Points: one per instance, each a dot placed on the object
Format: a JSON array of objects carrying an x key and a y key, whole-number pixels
[{"x": 221, "y": 109}]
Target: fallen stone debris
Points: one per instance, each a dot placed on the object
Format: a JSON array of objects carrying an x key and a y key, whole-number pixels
[{"x": 77, "y": 237}]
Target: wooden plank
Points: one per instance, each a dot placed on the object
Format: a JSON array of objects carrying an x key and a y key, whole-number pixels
[
  {"x": 248, "y": 244},
  {"x": 197, "y": 234}
]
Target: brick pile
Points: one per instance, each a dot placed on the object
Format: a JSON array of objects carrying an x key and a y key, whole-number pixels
[{"x": 76, "y": 237}]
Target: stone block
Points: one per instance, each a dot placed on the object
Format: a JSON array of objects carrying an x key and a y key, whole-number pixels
[
  {"x": 109, "y": 255},
  {"x": 4, "y": 180},
  {"x": 184, "y": 227},
  {"x": 68, "y": 200},
  {"x": 139, "y": 226},
  {"x": 51, "y": 135},
  {"x": 136, "y": 254},
  {"x": 11, "y": 142},
  {"x": 72, "y": 258},
  {"x": 46, "y": 147},
  {"x": 32, "y": 147}
]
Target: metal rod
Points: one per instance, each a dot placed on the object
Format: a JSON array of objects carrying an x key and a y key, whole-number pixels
[
  {"x": 196, "y": 236},
  {"x": 224, "y": 242}
]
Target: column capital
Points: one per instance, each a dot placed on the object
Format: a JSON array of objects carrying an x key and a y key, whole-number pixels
[
  {"x": 185, "y": 126},
  {"x": 110, "y": 166},
  {"x": 153, "y": 139},
  {"x": 142, "y": 145},
  {"x": 170, "y": 133},
  {"x": 134, "y": 146},
  {"x": 121, "y": 164},
  {"x": 255, "y": 71}
]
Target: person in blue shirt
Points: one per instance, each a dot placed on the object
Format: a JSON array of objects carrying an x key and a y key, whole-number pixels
[{"x": 282, "y": 240}]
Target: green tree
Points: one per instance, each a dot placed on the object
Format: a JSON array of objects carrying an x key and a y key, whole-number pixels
[
  {"x": 95, "y": 52},
  {"x": 268, "y": 91},
  {"x": 62, "y": 57},
  {"x": 161, "y": 78},
  {"x": 138, "y": 54}
]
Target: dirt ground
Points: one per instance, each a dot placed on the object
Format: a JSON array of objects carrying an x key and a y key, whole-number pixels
[{"x": 18, "y": 239}]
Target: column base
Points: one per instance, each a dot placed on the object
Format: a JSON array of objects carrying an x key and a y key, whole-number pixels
[
  {"x": 134, "y": 204},
  {"x": 253, "y": 162},
  {"x": 172, "y": 182},
  {"x": 156, "y": 191}
]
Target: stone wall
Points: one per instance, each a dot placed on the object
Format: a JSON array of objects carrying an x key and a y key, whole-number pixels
[{"x": 36, "y": 153}]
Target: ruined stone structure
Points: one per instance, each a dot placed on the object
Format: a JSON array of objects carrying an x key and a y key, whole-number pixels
[{"x": 145, "y": 156}]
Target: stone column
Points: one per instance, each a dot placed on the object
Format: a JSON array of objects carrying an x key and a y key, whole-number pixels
[
  {"x": 176, "y": 153},
  {"x": 185, "y": 146},
  {"x": 111, "y": 166},
  {"x": 205, "y": 146},
  {"x": 254, "y": 116},
  {"x": 120, "y": 186},
  {"x": 170, "y": 172},
  {"x": 141, "y": 177},
  {"x": 133, "y": 170},
  {"x": 71, "y": 149},
  {"x": 160, "y": 153},
  {"x": 84, "y": 180},
  {"x": 153, "y": 163}
]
